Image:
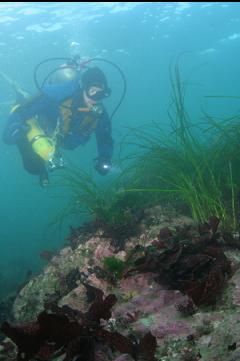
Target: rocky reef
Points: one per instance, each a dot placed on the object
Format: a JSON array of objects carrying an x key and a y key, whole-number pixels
[{"x": 172, "y": 293}]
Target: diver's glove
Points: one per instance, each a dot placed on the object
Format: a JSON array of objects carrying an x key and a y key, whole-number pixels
[{"x": 102, "y": 166}]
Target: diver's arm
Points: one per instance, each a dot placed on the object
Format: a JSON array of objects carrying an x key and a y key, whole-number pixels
[
  {"x": 16, "y": 124},
  {"x": 14, "y": 129},
  {"x": 104, "y": 144}
]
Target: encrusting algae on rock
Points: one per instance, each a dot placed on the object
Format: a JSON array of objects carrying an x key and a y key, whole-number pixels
[{"x": 174, "y": 297}]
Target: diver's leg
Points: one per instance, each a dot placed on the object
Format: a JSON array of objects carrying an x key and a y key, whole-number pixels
[{"x": 32, "y": 162}]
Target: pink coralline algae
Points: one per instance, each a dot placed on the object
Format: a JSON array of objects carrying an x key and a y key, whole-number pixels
[
  {"x": 177, "y": 328},
  {"x": 154, "y": 309},
  {"x": 137, "y": 283},
  {"x": 101, "y": 252}
]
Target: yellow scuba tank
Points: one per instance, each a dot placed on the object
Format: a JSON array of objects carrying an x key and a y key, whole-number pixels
[{"x": 41, "y": 143}]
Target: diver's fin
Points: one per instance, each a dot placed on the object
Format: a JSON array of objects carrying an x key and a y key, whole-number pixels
[{"x": 21, "y": 94}]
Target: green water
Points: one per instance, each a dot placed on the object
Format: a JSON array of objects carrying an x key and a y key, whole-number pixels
[{"x": 143, "y": 39}]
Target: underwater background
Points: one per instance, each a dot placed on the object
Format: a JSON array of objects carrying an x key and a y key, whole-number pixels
[{"x": 143, "y": 39}]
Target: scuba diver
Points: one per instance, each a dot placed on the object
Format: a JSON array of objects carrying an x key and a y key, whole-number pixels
[{"x": 64, "y": 114}]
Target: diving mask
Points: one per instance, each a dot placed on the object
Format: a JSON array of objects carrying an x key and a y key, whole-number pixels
[{"x": 98, "y": 94}]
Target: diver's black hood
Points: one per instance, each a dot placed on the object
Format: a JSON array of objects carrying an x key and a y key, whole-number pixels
[{"x": 93, "y": 77}]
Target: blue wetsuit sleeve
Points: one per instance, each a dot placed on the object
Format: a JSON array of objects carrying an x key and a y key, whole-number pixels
[
  {"x": 16, "y": 125},
  {"x": 104, "y": 138}
]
